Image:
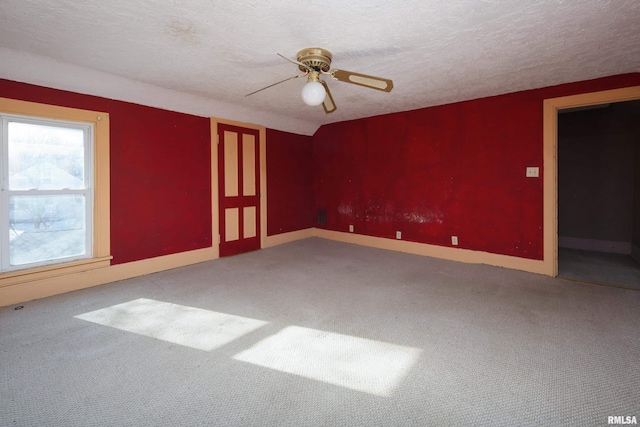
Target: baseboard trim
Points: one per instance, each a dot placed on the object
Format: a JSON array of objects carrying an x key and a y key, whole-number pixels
[
  {"x": 22, "y": 292},
  {"x": 292, "y": 236},
  {"x": 423, "y": 249},
  {"x": 28, "y": 291},
  {"x": 452, "y": 254},
  {"x": 596, "y": 245}
]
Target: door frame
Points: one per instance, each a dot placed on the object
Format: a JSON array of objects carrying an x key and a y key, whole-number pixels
[
  {"x": 215, "y": 201},
  {"x": 550, "y": 161}
]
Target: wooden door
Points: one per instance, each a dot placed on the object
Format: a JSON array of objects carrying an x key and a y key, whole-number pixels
[{"x": 239, "y": 189}]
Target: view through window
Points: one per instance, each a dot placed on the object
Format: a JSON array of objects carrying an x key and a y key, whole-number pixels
[{"x": 45, "y": 208}]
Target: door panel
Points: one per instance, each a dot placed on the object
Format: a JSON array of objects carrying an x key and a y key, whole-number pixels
[
  {"x": 230, "y": 163},
  {"x": 249, "y": 148},
  {"x": 239, "y": 181},
  {"x": 231, "y": 224},
  {"x": 249, "y": 214}
]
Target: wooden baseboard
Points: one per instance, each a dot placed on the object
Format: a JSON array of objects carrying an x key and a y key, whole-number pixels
[
  {"x": 613, "y": 247},
  {"x": 35, "y": 289},
  {"x": 452, "y": 254},
  {"x": 423, "y": 249},
  {"x": 280, "y": 239},
  {"x": 21, "y": 292}
]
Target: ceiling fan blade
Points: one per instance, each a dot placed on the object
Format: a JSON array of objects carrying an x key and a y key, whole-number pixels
[
  {"x": 328, "y": 104},
  {"x": 277, "y": 83},
  {"x": 300, "y": 64},
  {"x": 378, "y": 83}
]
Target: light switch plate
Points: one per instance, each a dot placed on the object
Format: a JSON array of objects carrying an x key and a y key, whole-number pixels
[{"x": 533, "y": 172}]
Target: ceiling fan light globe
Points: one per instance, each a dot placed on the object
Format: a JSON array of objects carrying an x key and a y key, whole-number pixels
[{"x": 313, "y": 93}]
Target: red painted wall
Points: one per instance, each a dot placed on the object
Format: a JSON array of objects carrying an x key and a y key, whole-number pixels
[
  {"x": 430, "y": 173},
  {"x": 457, "y": 169},
  {"x": 289, "y": 182},
  {"x": 160, "y": 173}
]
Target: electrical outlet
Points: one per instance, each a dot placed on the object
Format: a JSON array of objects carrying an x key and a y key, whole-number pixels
[
  {"x": 533, "y": 172},
  {"x": 454, "y": 240},
  {"x": 398, "y": 235},
  {"x": 350, "y": 228}
]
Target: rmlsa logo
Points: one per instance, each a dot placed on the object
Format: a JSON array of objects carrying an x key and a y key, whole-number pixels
[{"x": 620, "y": 419}]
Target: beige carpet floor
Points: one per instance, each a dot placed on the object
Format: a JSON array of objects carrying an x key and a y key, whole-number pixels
[{"x": 320, "y": 333}]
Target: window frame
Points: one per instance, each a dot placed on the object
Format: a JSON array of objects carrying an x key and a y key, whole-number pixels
[
  {"x": 8, "y": 192},
  {"x": 100, "y": 243}
]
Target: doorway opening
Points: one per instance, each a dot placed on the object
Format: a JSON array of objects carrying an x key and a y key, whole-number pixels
[
  {"x": 599, "y": 194},
  {"x": 551, "y": 108}
]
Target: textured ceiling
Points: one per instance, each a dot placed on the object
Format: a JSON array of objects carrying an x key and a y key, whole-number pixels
[{"x": 203, "y": 56}]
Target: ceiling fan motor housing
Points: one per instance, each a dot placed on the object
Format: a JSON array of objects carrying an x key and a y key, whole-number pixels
[{"x": 316, "y": 58}]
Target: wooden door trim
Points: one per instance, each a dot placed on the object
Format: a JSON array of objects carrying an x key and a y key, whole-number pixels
[{"x": 550, "y": 167}]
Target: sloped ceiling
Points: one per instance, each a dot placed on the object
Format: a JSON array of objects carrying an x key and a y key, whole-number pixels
[{"x": 203, "y": 56}]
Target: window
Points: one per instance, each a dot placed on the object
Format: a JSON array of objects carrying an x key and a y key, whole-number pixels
[
  {"x": 54, "y": 191},
  {"x": 47, "y": 191}
]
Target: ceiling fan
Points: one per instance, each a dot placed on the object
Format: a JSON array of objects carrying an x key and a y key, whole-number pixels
[{"x": 314, "y": 62}]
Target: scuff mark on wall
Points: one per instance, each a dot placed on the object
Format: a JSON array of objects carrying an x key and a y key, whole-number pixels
[
  {"x": 426, "y": 217},
  {"x": 345, "y": 209}
]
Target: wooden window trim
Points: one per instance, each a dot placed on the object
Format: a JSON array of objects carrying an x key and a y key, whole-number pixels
[{"x": 101, "y": 199}]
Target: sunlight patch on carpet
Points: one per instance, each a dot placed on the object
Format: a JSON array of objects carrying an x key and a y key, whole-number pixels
[
  {"x": 369, "y": 366},
  {"x": 178, "y": 324}
]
